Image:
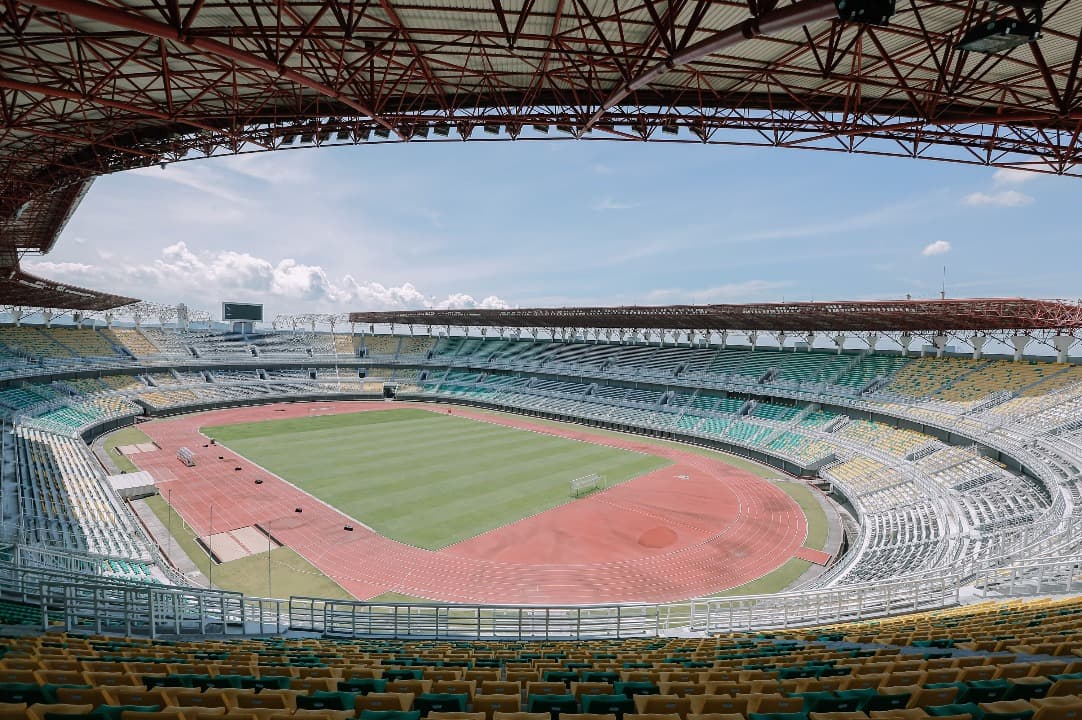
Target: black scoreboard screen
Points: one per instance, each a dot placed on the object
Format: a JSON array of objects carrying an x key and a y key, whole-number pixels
[{"x": 242, "y": 312}]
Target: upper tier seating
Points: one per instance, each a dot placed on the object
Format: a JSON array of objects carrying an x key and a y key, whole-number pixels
[
  {"x": 34, "y": 341},
  {"x": 84, "y": 342},
  {"x": 132, "y": 340},
  {"x": 924, "y": 376}
]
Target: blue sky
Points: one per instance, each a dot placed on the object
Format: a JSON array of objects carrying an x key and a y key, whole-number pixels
[{"x": 565, "y": 223}]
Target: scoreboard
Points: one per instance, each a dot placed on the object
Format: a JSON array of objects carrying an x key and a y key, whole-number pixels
[{"x": 242, "y": 312}]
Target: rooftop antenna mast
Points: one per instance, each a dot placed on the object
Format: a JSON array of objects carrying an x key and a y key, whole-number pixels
[{"x": 943, "y": 289}]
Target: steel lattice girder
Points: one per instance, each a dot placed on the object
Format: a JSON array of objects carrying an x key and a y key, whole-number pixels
[
  {"x": 96, "y": 86},
  {"x": 977, "y": 314}
]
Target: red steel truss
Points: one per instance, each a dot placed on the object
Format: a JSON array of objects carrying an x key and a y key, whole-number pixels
[
  {"x": 977, "y": 314},
  {"x": 96, "y": 86},
  {"x": 21, "y": 289}
]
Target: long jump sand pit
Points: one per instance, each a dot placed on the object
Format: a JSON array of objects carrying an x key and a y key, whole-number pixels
[
  {"x": 695, "y": 527},
  {"x": 237, "y": 543}
]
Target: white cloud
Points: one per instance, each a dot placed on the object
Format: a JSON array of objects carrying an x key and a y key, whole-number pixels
[
  {"x": 1003, "y": 198},
  {"x": 609, "y": 204},
  {"x": 285, "y": 285},
  {"x": 939, "y": 247},
  {"x": 1010, "y": 176}
]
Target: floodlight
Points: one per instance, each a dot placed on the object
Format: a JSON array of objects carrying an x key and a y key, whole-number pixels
[
  {"x": 492, "y": 128},
  {"x": 342, "y": 135},
  {"x": 324, "y": 136},
  {"x": 420, "y": 131},
  {"x": 362, "y": 134},
  {"x": 383, "y": 132},
  {"x": 998, "y": 36},
  {"x": 566, "y": 129},
  {"x": 670, "y": 129},
  {"x": 306, "y": 138},
  {"x": 443, "y": 129},
  {"x": 869, "y": 12},
  {"x": 288, "y": 139},
  {"x": 541, "y": 128}
]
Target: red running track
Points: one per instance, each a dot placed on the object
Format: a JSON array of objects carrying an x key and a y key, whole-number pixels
[{"x": 692, "y": 528}]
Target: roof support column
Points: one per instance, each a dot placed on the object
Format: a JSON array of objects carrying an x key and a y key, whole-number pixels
[
  {"x": 1019, "y": 342},
  {"x": 940, "y": 343},
  {"x": 1063, "y": 343},
  {"x": 48, "y": 315},
  {"x": 810, "y": 337},
  {"x": 978, "y": 346},
  {"x": 724, "y": 338},
  {"x": 839, "y": 342},
  {"x": 753, "y": 337},
  {"x": 905, "y": 340},
  {"x": 872, "y": 339}
]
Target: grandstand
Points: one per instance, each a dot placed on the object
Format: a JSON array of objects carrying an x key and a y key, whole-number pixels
[{"x": 950, "y": 469}]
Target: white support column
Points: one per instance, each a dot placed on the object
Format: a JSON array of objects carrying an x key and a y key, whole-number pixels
[
  {"x": 872, "y": 339},
  {"x": 905, "y": 340},
  {"x": 753, "y": 337},
  {"x": 940, "y": 343},
  {"x": 48, "y": 315},
  {"x": 839, "y": 342},
  {"x": 810, "y": 337},
  {"x": 780, "y": 337},
  {"x": 108, "y": 319},
  {"x": 978, "y": 342},
  {"x": 1019, "y": 342},
  {"x": 1063, "y": 343}
]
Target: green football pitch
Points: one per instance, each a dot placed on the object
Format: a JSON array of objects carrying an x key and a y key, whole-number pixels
[{"x": 424, "y": 478}]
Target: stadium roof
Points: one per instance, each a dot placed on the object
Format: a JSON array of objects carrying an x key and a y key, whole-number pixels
[
  {"x": 979, "y": 314},
  {"x": 20, "y": 289},
  {"x": 95, "y": 86}
]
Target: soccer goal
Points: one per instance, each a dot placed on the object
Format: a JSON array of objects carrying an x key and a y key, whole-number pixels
[{"x": 583, "y": 486}]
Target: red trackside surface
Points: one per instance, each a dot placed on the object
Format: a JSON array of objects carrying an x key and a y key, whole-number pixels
[{"x": 656, "y": 538}]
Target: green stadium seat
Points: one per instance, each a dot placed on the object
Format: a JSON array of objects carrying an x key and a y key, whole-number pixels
[{"x": 440, "y": 702}]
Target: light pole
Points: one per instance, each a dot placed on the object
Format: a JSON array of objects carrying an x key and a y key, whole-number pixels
[
  {"x": 169, "y": 519},
  {"x": 269, "y": 594},
  {"x": 210, "y": 547}
]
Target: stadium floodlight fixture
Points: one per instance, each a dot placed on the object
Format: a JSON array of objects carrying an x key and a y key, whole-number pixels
[
  {"x": 324, "y": 136},
  {"x": 566, "y": 129},
  {"x": 868, "y": 12},
  {"x": 442, "y": 129},
  {"x": 288, "y": 139},
  {"x": 307, "y": 138},
  {"x": 420, "y": 131},
  {"x": 382, "y": 132},
  {"x": 342, "y": 135},
  {"x": 999, "y": 36},
  {"x": 362, "y": 134},
  {"x": 492, "y": 128},
  {"x": 541, "y": 128},
  {"x": 670, "y": 129}
]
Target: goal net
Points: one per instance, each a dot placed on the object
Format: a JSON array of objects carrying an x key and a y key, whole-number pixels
[{"x": 580, "y": 487}]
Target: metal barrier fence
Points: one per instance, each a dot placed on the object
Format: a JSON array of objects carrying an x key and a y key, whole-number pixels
[{"x": 89, "y": 604}]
